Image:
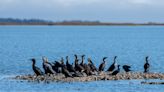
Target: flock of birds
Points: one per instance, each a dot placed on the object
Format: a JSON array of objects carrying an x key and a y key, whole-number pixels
[{"x": 79, "y": 69}]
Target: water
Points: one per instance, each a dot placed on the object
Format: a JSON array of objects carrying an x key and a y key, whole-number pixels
[{"x": 130, "y": 43}]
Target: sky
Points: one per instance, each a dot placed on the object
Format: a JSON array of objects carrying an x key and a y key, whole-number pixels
[{"x": 92, "y": 10}]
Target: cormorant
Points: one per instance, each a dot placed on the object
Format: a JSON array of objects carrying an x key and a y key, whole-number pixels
[
  {"x": 116, "y": 71},
  {"x": 56, "y": 66},
  {"x": 69, "y": 66},
  {"x": 78, "y": 67},
  {"x": 102, "y": 65},
  {"x": 112, "y": 67},
  {"x": 47, "y": 66},
  {"x": 87, "y": 69},
  {"x": 126, "y": 68},
  {"x": 146, "y": 65},
  {"x": 66, "y": 72},
  {"x": 64, "y": 69},
  {"x": 62, "y": 63},
  {"x": 91, "y": 65},
  {"x": 82, "y": 60},
  {"x": 71, "y": 69},
  {"x": 36, "y": 69}
]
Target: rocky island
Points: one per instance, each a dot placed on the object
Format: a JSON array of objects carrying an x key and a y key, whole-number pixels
[{"x": 102, "y": 76}]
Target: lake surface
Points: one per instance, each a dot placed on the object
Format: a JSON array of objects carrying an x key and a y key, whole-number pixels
[{"x": 130, "y": 43}]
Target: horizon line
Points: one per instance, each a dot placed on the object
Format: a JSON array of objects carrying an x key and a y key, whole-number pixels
[{"x": 78, "y": 20}]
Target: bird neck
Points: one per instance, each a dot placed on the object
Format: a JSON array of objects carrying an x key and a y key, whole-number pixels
[
  {"x": 104, "y": 59},
  {"x": 118, "y": 67},
  {"x": 67, "y": 61},
  {"x": 75, "y": 57},
  {"x": 76, "y": 62},
  {"x": 146, "y": 61},
  {"x": 82, "y": 60},
  {"x": 114, "y": 61},
  {"x": 33, "y": 64}
]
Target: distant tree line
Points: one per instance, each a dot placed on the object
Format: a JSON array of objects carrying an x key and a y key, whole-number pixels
[
  {"x": 12, "y": 21},
  {"x": 21, "y": 20}
]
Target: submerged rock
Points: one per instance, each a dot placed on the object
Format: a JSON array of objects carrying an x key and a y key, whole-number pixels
[{"x": 100, "y": 76}]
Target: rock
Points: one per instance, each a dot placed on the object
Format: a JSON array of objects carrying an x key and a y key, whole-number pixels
[{"x": 101, "y": 76}]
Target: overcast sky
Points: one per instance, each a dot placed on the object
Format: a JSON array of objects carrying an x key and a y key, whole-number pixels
[{"x": 103, "y": 10}]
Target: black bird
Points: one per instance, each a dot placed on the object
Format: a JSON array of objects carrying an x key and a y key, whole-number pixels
[
  {"x": 64, "y": 69},
  {"x": 116, "y": 71},
  {"x": 87, "y": 69},
  {"x": 36, "y": 69},
  {"x": 102, "y": 65},
  {"x": 78, "y": 67},
  {"x": 71, "y": 69},
  {"x": 91, "y": 65},
  {"x": 62, "y": 63},
  {"x": 56, "y": 66},
  {"x": 82, "y": 60},
  {"x": 66, "y": 72},
  {"x": 126, "y": 68},
  {"x": 112, "y": 67},
  {"x": 146, "y": 65},
  {"x": 69, "y": 66},
  {"x": 47, "y": 66}
]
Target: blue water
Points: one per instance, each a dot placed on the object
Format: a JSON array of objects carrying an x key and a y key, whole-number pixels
[{"x": 130, "y": 43}]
